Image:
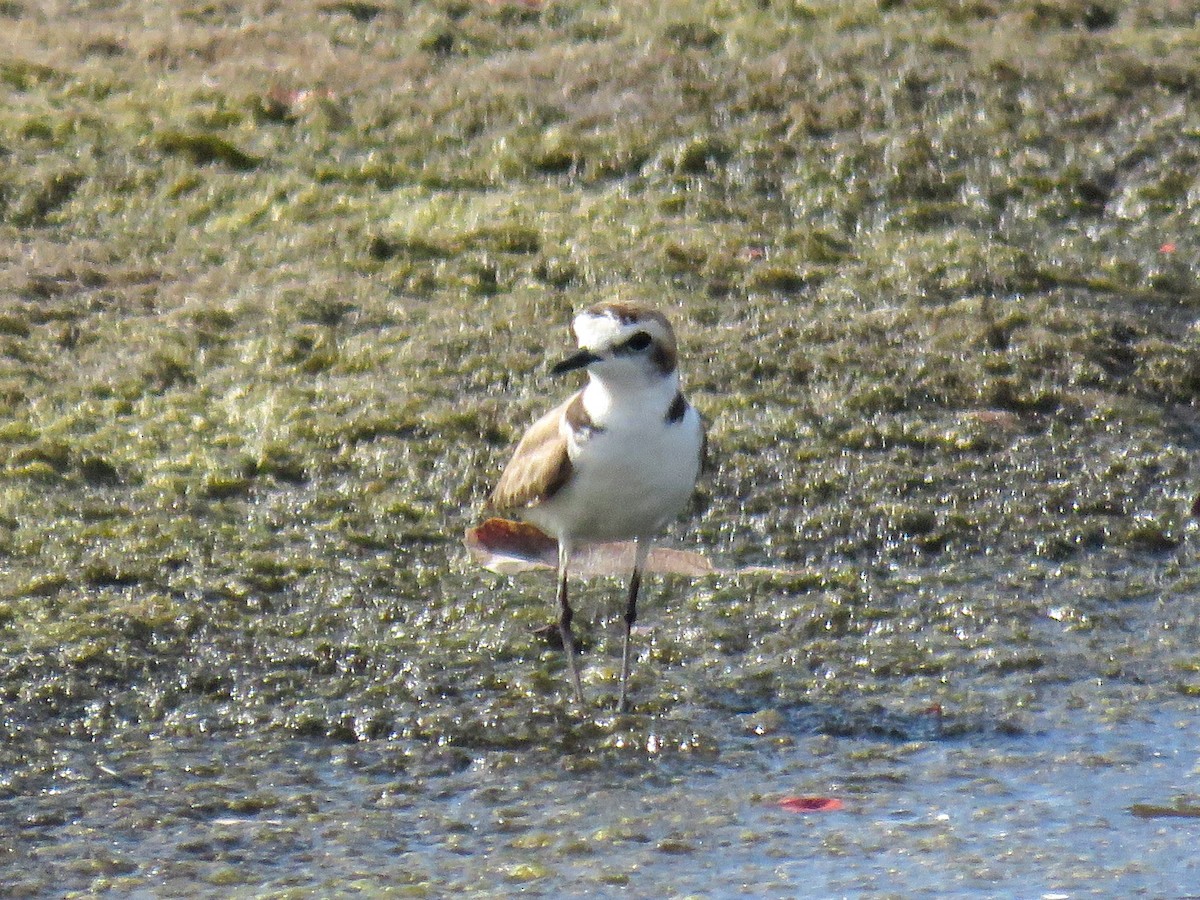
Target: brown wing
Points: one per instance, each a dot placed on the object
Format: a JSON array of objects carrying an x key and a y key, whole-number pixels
[{"x": 539, "y": 466}]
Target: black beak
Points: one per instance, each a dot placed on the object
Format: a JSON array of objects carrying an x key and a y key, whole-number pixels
[{"x": 575, "y": 361}]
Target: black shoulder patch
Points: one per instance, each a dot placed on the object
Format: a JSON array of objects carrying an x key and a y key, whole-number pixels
[{"x": 677, "y": 410}]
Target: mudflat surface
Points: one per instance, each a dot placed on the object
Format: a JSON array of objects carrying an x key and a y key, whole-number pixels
[{"x": 279, "y": 285}]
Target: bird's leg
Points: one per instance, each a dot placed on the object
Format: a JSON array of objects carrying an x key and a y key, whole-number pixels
[
  {"x": 635, "y": 584},
  {"x": 564, "y": 620}
]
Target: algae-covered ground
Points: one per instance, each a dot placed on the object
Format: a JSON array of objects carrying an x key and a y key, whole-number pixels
[{"x": 279, "y": 283}]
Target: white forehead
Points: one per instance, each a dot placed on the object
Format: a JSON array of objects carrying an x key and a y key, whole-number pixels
[{"x": 596, "y": 330}]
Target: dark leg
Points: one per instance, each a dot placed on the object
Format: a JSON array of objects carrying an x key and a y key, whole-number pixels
[
  {"x": 635, "y": 584},
  {"x": 564, "y": 622}
]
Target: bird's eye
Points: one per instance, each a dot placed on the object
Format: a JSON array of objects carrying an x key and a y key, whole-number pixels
[{"x": 639, "y": 341}]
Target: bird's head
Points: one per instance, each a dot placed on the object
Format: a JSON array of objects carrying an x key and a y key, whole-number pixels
[{"x": 622, "y": 343}]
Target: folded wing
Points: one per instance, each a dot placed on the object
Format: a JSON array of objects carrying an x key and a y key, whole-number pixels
[{"x": 539, "y": 467}]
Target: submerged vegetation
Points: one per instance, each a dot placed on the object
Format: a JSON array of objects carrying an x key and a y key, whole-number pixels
[{"x": 279, "y": 283}]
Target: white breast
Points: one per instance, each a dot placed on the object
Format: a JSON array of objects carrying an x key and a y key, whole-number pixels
[{"x": 631, "y": 475}]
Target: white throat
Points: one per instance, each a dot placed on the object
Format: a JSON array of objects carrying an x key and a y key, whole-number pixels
[{"x": 611, "y": 401}]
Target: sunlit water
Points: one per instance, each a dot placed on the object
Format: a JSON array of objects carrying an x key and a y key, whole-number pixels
[
  {"x": 1034, "y": 783},
  {"x": 1036, "y": 815}
]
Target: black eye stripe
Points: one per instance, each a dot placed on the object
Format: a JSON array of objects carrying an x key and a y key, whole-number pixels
[{"x": 639, "y": 341}]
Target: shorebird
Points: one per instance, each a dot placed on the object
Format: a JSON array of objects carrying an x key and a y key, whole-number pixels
[{"x": 616, "y": 461}]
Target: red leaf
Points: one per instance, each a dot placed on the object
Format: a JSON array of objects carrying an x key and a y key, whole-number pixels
[
  {"x": 516, "y": 539},
  {"x": 1168, "y": 247},
  {"x": 506, "y": 548},
  {"x": 810, "y": 804}
]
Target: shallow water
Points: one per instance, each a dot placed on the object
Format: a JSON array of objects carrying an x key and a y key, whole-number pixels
[
  {"x": 1026, "y": 783},
  {"x": 1041, "y": 814}
]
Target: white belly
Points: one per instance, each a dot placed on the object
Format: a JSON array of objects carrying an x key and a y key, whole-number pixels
[{"x": 628, "y": 481}]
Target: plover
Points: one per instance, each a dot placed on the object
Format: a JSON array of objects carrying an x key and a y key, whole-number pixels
[{"x": 616, "y": 461}]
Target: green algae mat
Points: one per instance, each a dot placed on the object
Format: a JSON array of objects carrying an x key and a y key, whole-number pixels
[{"x": 279, "y": 286}]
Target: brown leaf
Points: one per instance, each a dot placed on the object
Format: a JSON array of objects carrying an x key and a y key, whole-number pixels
[{"x": 507, "y": 548}]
